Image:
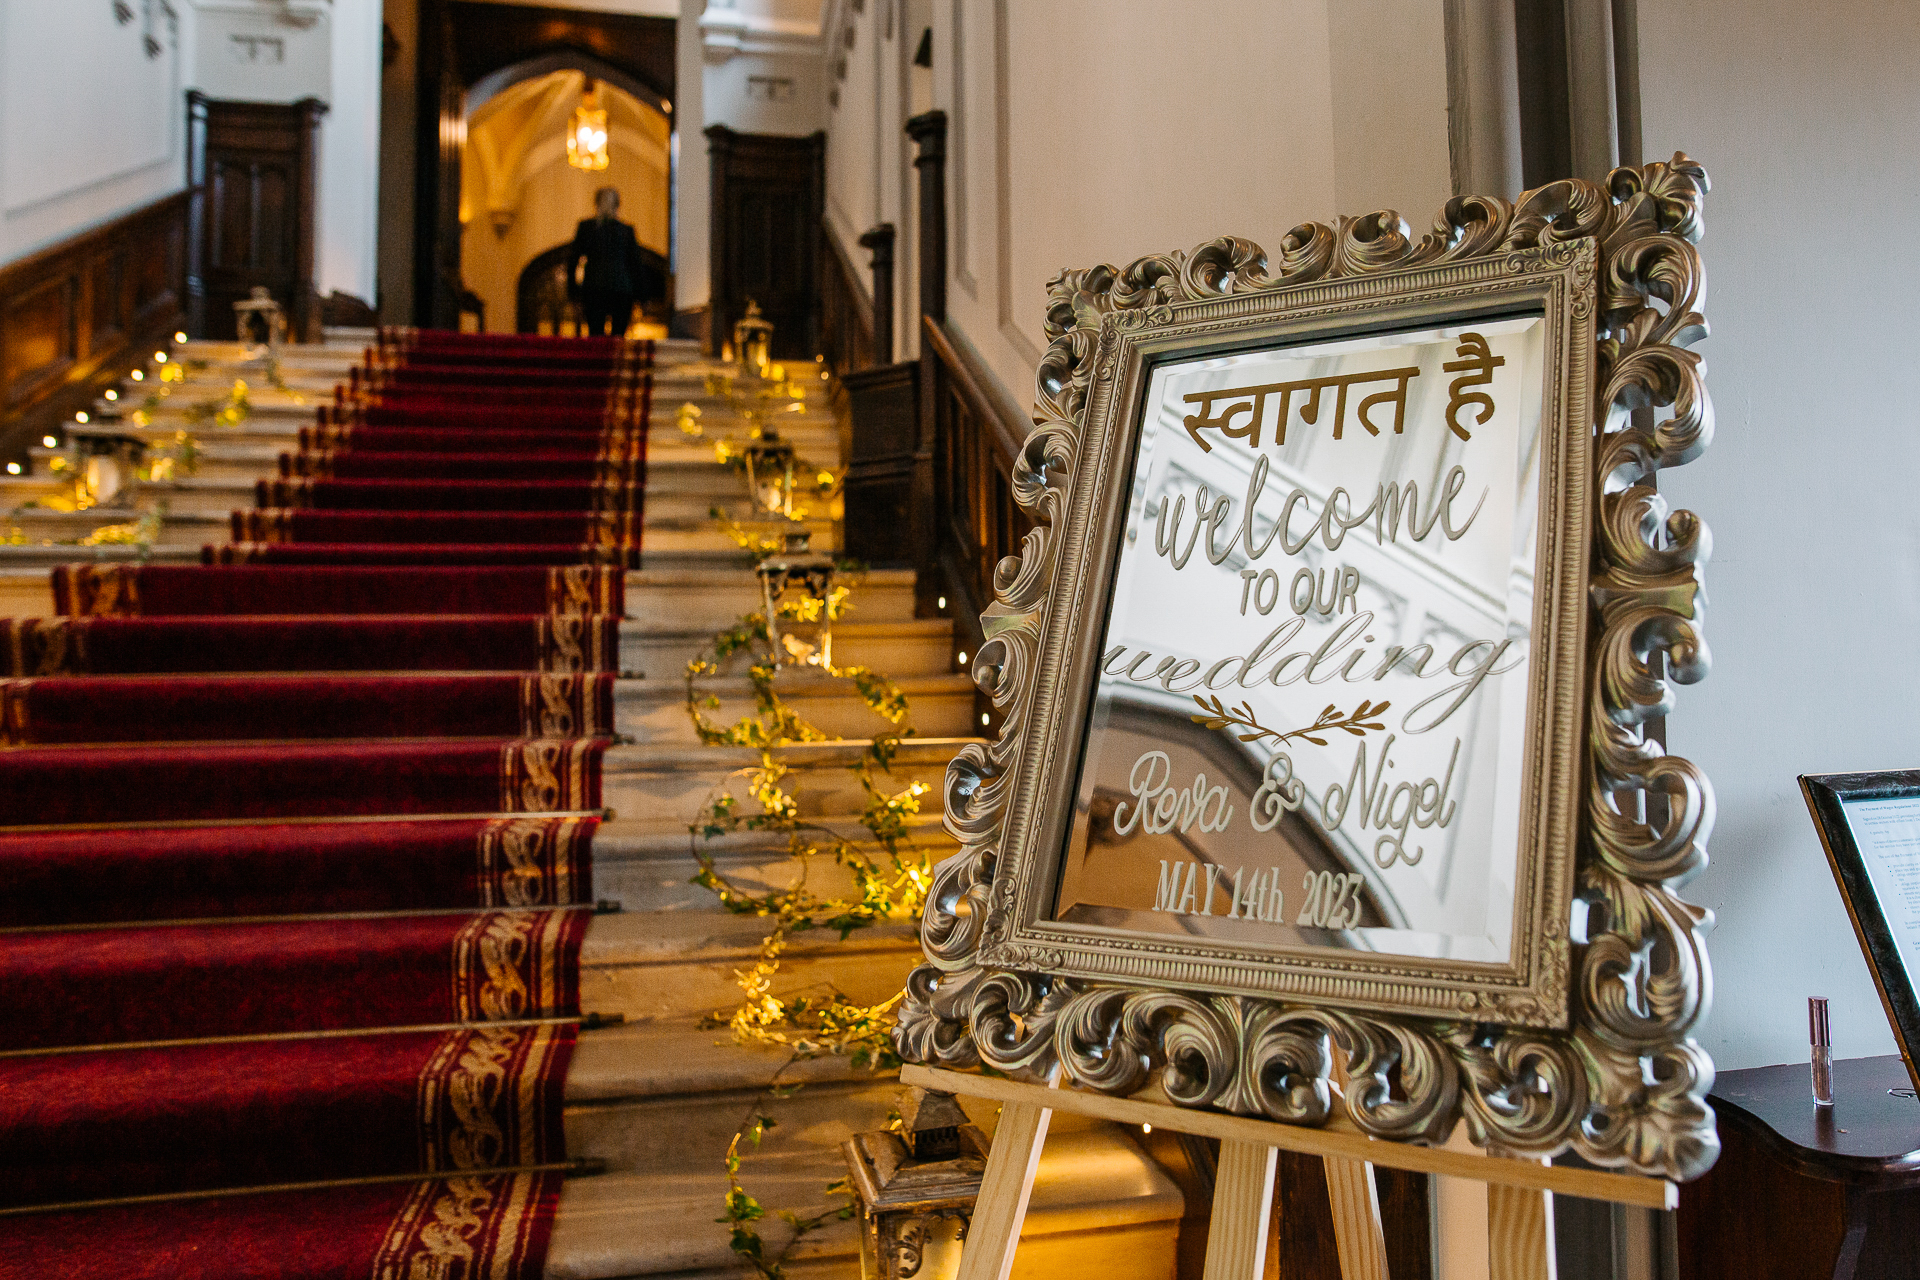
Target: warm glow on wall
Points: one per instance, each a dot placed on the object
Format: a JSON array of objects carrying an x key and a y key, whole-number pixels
[{"x": 587, "y": 134}]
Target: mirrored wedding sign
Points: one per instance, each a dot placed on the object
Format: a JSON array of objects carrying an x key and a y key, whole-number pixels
[
  {"x": 1309, "y": 722},
  {"x": 1326, "y": 673}
]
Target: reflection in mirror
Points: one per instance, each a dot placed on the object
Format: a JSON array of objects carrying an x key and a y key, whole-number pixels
[{"x": 1310, "y": 724}]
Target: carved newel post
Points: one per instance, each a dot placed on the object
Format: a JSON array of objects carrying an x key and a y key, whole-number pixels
[{"x": 879, "y": 239}]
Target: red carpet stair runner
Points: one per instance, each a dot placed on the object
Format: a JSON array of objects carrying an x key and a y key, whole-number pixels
[{"x": 298, "y": 843}]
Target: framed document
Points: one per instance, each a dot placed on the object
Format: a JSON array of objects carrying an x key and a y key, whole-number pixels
[
  {"x": 1324, "y": 675},
  {"x": 1869, "y": 824}
]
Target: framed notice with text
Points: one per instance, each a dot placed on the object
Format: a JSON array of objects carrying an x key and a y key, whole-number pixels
[
  {"x": 1325, "y": 672},
  {"x": 1869, "y": 824}
]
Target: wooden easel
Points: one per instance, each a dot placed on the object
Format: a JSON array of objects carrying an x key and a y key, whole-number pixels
[{"x": 1519, "y": 1192}]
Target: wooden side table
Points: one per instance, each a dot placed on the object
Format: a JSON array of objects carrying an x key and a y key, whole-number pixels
[{"x": 1809, "y": 1193}]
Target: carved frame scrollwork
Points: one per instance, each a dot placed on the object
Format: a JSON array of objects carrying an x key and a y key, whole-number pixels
[{"x": 1617, "y": 1077}]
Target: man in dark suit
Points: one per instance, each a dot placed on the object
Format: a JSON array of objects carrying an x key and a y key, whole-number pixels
[{"x": 614, "y": 268}]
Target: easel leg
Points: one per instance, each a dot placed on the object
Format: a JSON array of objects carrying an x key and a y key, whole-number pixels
[
  {"x": 1005, "y": 1186},
  {"x": 1356, "y": 1220},
  {"x": 1520, "y": 1234},
  {"x": 1242, "y": 1190}
]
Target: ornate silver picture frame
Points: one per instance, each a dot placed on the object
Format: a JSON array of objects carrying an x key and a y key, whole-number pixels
[{"x": 1432, "y": 463}]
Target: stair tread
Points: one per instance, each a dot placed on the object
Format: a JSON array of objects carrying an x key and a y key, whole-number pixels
[
  {"x": 909, "y": 628},
  {"x": 632, "y": 836},
  {"x": 669, "y": 1058},
  {"x": 682, "y": 757},
  {"x": 673, "y": 688},
  {"x": 631, "y": 1224},
  {"x": 677, "y": 937},
  {"x": 703, "y": 577}
]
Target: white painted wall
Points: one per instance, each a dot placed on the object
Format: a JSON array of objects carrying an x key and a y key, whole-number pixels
[
  {"x": 347, "y": 242},
  {"x": 737, "y": 91},
  {"x": 756, "y": 66},
  {"x": 90, "y": 126},
  {"x": 1072, "y": 140},
  {"x": 329, "y": 51},
  {"x": 870, "y": 174},
  {"x": 1804, "y": 117}
]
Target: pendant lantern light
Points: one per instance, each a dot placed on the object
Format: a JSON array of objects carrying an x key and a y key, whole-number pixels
[{"x": 587, "y": 132}]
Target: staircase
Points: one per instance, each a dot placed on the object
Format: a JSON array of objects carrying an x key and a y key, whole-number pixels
[{"x": 656, "y": 1098}]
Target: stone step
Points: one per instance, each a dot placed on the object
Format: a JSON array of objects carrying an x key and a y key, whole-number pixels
[
  {"x": 920, "y": 646},
  {"x": 693, "y": 476},
  {"x": 277, "y": 432},
  {"x": 649, "y": 866},
  {"x": 1100, "y": 1207},
  {"x": 16, "y": 491},
  {"x": 40, "y": 525},
  {"x": 670, "y": 1095},
  {"x": 197, "y": 494},
  {"x": 217, "y": 460},
  {"x": 670, "y": 535},
  {"x": 674, "y": 783},
  {"x": 651, "y": 966},
  {"x": 665, "y": 503},
  {"x": 341, "y": 348},
  {"x": 296, "y": 403},
  {"x": 703, "y": 597},
  {"x": 655, "y": 712},
  {"x": 678, "y": 609},
  {"x": 815, "y": 442}
]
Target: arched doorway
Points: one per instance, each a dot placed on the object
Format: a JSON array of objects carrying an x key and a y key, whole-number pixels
[
  {"x": 468, "y": 54},
  {"x": 521, "y": 198}
]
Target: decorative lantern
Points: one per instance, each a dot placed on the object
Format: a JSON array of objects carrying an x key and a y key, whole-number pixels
[
  {"x": 916, "y": 1188},
  {"x": 753, "y": 341},
  {"x": 257, "y": 314},
  {"x": 587, "y": 132},
  {"x": 796, "y": 590},
  {"x": 107, "y": 461},
  {"x": 770, "y": 472}
]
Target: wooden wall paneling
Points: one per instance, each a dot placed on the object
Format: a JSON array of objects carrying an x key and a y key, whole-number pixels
[
  {"x": 108, "y": 297},
  {"x": 76, "y": 315},
  {"x": 769, "y": 203},
  {"x": 41, "y": 323},
  {"x": 882, "y": 406},
  {"x": 255, "y": 165}
]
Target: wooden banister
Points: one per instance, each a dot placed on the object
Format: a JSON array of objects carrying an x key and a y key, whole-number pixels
[
  {"x": 1009, "y": 437},
  {"x": 846, "y": 314}
]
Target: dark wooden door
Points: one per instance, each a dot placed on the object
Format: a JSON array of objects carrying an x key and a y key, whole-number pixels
[
  {"x": 252, "y": 167},
  {"x": 768, "y": 202}
]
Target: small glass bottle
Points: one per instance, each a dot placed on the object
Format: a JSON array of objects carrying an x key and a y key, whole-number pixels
[{"x": 1820, "y": 1037}]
